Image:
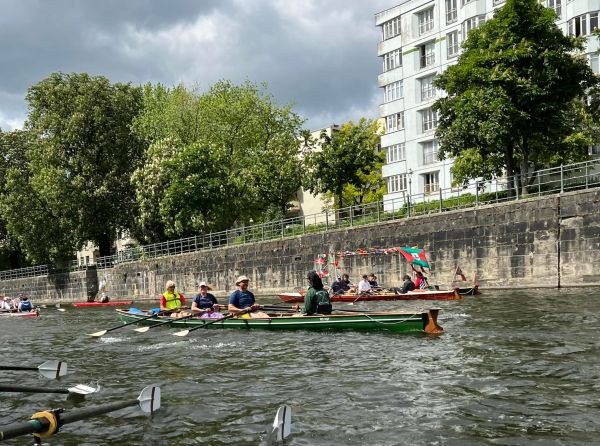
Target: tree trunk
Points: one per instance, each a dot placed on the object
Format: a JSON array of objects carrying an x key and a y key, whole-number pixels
[{"x": 104, "y": 244}]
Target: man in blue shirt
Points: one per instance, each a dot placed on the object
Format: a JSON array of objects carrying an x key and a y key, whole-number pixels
[{"x": 242, "y": 298}]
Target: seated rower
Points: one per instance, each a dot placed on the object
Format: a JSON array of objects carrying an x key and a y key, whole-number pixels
[
  {"x": 5, "y": 304},
  {"x": 104, "y": 299},
  {"x": 242, "y": 299},
  {"x": 172, "y": 301},
  {"x": 316, "y": 300},
  {"x": 364, "y": 286},
  {"x": 205, "y": 304},
  {"x": 25, "y": 306}
]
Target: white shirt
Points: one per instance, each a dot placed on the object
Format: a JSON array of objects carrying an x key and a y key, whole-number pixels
[
  {"x": 364, "y": 285},
  {"x": 5, "y": 305}
]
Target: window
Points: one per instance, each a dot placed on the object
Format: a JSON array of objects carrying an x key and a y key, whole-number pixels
[
  {"x": 466, "y": 2},
  {"x": 451, "y": 11},
  {"x": 595, "y": 150},
  {"x": 472, "y": 23},
  {"x": 497, "y": 2},
  {"x": 432, "y": 182},
  {"x": 427, "y": 89},
  {"x": 429, "y": 152},
  {"x": 427, "y": 52},
  {"x": 395, "y": 153},
  {"x": 578, "y": 25},
  {"x": 593, "y": 21},
  {"x": 397, "y": 183},
  {"x": 452, "y": 44},
  {"x": 554, "y": 4},
  {"x": 393, "y": 91},
  {"x": 425, "y": 21},
  {"x": 429, "y": 120},
  {"x": 394, "y": 122},
  {"x": 392, "y": 60},
  {"x": 594, "y": 63},
  {"x": 391, "y": 28}
]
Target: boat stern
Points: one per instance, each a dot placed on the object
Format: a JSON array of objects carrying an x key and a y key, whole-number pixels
[{"x": 430, "y": 325}]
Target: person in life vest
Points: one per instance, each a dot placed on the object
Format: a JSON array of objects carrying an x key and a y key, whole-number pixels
[
  {"x": 316, "y": 300},
  {"x": 172, "y": 300},
  {"x": 25, "y": 305},
  {"x": 205, "y": 304}
]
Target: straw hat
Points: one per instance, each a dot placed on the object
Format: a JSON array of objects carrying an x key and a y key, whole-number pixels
[
  {"x": 201, "y": 284},
  {"x": 241, "y": 279}
]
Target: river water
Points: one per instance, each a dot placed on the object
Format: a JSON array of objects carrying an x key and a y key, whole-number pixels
[{"x": 512, "y": 368}]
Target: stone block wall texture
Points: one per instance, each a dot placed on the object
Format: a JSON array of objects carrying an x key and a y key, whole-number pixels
[{"x": 542, "y": 242}]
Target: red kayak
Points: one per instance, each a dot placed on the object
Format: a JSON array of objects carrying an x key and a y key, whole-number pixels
[
  {"x": 103, "y": 304},
  {"x": 411, "y": 295},
  {"x": 32, "y": 313}
]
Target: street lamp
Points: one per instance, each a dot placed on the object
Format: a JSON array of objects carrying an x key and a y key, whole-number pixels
[{"x": 410, "y": 172}]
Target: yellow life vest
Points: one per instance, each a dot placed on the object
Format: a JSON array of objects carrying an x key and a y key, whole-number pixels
[{"x": 173, "y": 300}]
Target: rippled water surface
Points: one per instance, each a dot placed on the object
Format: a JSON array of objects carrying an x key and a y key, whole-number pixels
[{"x": 512, "y": 368}]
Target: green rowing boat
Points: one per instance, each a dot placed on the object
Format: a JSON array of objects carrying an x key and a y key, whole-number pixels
[{"x": 420, "y": 321}]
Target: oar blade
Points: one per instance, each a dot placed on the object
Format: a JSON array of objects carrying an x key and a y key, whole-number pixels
[
  {"x": 142, "y": 329},
  {"x": 53, "y": 369},
  {"x": 282, "y": 424},
  {"x": 149, "y": 399},
  {"x": 82, "y": 389},
  {"x": 181, "y": 333},
  {"x": 98, "y": 333}
]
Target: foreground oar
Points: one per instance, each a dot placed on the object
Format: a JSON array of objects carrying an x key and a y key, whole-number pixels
[
  {"x": 170, "y": 321},
  {"x": 292, "y": 310},
  {"x": 79, "y": 389},
  {"x": 282, "y": 425},
  {"x": 46, "y": 423},
  {"x": 183, "y": 333},
  {"x": 49, "y": 369},
  {"x": 103, "y": 332}
]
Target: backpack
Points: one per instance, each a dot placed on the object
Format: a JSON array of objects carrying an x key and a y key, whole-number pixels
[{"x": 323, "y": 303}]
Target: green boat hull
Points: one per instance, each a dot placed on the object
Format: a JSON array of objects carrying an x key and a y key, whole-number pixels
[{"x": 425, "y": 321}]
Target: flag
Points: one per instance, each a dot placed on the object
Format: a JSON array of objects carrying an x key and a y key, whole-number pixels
[
  {"x": 414, "y": 256},
  {"x": 460, "y": 273}
]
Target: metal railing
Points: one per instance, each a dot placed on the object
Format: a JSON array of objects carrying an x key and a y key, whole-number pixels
[{"x": 548, "y": 181}]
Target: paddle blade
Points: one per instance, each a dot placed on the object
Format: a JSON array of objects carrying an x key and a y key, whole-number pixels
[
  {"x": 82, "y": 389},
  {"x": 98, "y": 333},
  {"x": 142, "y": 329},
  {"x": 150, "y": 399},
  {"x": 53, "y": 369},
  {"x": 283, "y": 422},
  {"x": 61, "y": 309},
  {"x": 181, "y": 333}
]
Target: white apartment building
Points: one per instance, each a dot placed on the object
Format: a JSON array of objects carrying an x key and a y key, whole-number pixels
[{"x": 420, "y": 38}]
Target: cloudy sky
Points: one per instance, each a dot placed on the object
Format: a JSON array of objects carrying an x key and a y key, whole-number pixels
[{"x": 320, "y": 55}]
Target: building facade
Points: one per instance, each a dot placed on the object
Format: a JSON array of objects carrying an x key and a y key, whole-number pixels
[{"x": 420, "y": 39}]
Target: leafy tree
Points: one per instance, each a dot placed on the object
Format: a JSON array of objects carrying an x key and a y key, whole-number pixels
[
  {"x": 216, "y": 159},
  {"x": 514, "y": 96},
  {"x": 346, "y": 158},
  {"x": 75, "y": 186}
]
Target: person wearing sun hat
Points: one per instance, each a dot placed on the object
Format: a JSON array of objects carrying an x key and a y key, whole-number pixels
[
  {"x": 171, "y": 300},
  {"x": 242, "y": 298},
  {"x": 205, "y": 303}
]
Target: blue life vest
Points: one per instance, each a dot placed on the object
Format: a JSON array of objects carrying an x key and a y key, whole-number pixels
[{"x": 25, "y": 305}]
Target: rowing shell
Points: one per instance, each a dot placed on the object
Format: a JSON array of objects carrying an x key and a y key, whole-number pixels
[
  {"x": 411, "y": 295},
  {"x": 102, "y": 304}
]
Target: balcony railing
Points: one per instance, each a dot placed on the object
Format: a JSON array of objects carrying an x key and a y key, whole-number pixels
[{"x": 433, "y": 200}]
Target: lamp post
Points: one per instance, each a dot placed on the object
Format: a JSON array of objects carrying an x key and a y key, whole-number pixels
[{"x": 410, "y": 172}]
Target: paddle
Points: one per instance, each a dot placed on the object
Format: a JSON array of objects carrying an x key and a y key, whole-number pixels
[
  {"x": 282, "y": 425},
  {"x": 47, "y": 423},
  {"x": 170, "y": 321},
  {"x": 79, "y": 389},
  {"x": 49, "y": 369},
  {"x": 103, "y": 332},
  {"x": 183, "y": 333}
]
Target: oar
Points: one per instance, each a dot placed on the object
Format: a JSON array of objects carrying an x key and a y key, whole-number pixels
[
  {"x": 103, "y": 332},
  {"x": 282, "y": 425},
  {"x": 49, "y": 369},
  {"x": 170, "y": 321},
  {"x": 79, "y": 389},
  {"x": 183, "y": 333},
  {"x": 47, "y": 423}
]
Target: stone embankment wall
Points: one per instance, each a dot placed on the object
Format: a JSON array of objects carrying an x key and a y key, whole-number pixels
[{"x": 543, "y": 242}]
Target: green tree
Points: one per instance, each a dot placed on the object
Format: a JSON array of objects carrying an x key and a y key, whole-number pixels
[
  {"x": 346, "y": 159},
  {"x": 75, "y": 186},
  {"x": 215, "y": 160},
  {"x": 512, "y": 98}
]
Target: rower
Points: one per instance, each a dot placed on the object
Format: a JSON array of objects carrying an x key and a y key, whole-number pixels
[
  {"x": 316, "y": 300},
  {"x": 25, "y": 305},
  {"x": 205, "y": 304},
  {"x": 171, "y": 300},
  {"x": 243, "y": 298}
]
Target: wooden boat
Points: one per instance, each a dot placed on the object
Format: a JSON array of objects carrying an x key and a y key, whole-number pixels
[
  {"x": 103, "y": 304},
  {"x": 352, "y": 297},
  {"x": 32, "y": 313},
  {"x": 418, "y": 321}
]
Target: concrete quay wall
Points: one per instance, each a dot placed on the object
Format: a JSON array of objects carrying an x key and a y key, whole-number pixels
[{"x": 539, "y": 242}]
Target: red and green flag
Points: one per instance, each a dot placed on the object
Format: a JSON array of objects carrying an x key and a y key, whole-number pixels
[{"x": 414, "y": 256}]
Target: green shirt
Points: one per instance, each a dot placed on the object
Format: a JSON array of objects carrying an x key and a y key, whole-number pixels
[{"x": 312, "y": 300}]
